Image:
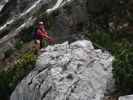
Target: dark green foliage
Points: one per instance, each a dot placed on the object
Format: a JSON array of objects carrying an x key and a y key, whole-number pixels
[
  {"x": 10, "y": 78},
  {"x": 8, "y": 53},
  {"x": 103, "y": 39},
  {"x": 19, "y": 44},
  {"x": 123, "y": 66},
  {"x": 26, "y": 34}
]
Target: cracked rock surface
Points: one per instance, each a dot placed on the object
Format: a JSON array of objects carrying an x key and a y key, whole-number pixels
[
  {"x": 75, "y": 71},
  {"x": 127, "y": 97}
]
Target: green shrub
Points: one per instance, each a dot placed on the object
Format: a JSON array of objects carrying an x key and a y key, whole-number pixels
[
  {"x": 19, "y": 45},
  {"x": 10, "y": 78},
  {"x": 8, "y": 53},
  {"x": 123, "y": 66},
  {"x": 101, "y": 38},
  {"x": 26, "y": 34},
  {"x": 123, "y": 72}
]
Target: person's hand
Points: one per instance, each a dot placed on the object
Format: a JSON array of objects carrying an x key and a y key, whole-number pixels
[{"x": 46, "y": 36}]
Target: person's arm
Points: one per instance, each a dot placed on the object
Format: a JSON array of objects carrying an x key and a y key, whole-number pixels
[
  {"x": 42, "y": 34},
  {"x": 44, "y": 30},
  {"x": 45, "y": 35}
]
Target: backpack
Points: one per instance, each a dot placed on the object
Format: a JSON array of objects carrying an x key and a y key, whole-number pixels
[{"x": 34, "y": 34}]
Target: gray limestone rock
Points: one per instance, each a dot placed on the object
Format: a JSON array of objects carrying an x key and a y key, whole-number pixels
[
  {"x": 67, "y": 72},
  {"x": 128, "y": 97}
]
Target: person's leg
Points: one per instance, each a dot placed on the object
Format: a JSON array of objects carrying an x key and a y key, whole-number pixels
[
  {"x": 41, "y": 43},
  {"x": 36, "y": 46},
  {"x": 44, "y": 43}
]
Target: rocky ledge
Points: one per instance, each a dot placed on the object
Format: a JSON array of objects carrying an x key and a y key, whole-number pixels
[{"x": 75, "y": 71}]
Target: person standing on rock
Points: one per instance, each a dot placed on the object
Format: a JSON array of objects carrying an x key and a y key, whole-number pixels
[{"x": 41, "y": 35}]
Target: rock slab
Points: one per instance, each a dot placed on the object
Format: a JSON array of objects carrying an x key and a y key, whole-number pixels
[
  {"x": 75, "y": 71},
  {"x": 128, "y": 97}
]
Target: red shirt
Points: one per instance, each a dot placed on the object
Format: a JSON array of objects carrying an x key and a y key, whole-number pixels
[{"x": 41, "y": 32}]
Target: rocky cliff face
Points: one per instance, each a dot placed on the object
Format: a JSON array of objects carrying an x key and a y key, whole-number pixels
[
  {"x": 17, "y": 16},
  {"x": 127, "y": 97},
  {"x": 64, "y": 17},
  {"x": 68, "y": 72},
  {"x": 2, "y": 4}
]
